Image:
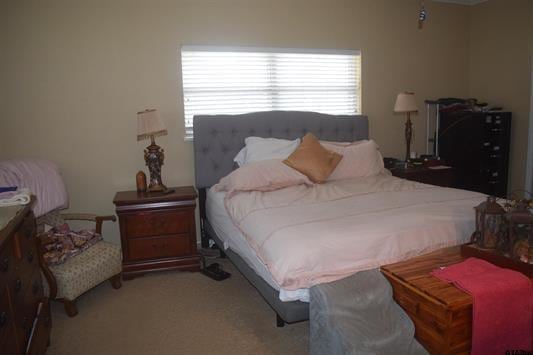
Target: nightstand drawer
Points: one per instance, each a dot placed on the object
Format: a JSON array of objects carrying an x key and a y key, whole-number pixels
[
  {"x": 157, "y": 223},
  {"x": 159, "y": 247}
]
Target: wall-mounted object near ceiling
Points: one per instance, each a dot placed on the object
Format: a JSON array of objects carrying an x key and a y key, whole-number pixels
[
  {"x": 462, "y": 2},
  {"x": 422, "y": 15}
]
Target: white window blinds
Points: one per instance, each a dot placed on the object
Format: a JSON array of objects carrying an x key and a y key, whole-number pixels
[{"x": 218, "y": 80}]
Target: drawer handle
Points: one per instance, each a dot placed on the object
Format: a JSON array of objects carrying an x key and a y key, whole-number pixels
[
  {"x": 30, "y": 257},
  {"x": 3, "y": 318},
  {"x": 18, "y": 285},
  {"x": 4, "y": 265}
]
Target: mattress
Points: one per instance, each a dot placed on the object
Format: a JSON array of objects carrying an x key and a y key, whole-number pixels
[
  {"x": 307, "y": 236},
  {"x": 233, "y": 239}
]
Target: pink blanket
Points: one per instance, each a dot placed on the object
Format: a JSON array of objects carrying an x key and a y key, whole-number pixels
[
  {"x": 43, "y": 179},
  {"x": 502, "y": 318}
]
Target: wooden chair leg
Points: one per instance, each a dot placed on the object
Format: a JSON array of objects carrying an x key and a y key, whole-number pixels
[
  {"x": 70, "y": 307},
  {"x": 116, "y": 281}
]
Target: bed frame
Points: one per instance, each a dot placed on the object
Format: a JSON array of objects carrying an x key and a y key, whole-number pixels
[{"x": 218, "y": 138}]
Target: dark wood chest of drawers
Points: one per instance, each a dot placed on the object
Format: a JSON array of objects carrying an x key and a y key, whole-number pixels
[
  {"x": 477, "y": 145},
  {"x": 426, "y": 175},
  {"x": 157, "y": 231},
  {"x": 24, "y": 311}
]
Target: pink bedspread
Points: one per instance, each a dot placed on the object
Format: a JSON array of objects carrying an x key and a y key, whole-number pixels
[
  {"x": 43, "y": 179},
  {"x": 311, "y": 235}
]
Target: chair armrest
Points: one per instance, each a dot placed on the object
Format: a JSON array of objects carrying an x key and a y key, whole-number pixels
[{"x": 89, "y": 217}]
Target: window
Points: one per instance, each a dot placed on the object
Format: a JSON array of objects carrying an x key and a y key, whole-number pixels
[{"x": 222, "y": 80}]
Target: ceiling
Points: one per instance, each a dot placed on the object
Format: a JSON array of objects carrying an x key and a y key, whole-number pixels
[{"x": 463, "y": 2}]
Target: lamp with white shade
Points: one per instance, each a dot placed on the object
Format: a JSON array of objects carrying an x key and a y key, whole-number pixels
[
  {"x": 149, "y": 126},
  {"x": 406, "y": 103}
]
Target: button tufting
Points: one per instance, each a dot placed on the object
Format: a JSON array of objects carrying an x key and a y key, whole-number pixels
[
  {"x": 205, "y": 150},
  {"x": 224, "y": 149},
  {"x": 215, "y": 167}
]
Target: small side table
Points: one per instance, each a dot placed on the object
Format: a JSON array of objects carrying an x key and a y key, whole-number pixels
[
  {"x": 440, "y": 177},
  {"x": 157, "y": 231}
]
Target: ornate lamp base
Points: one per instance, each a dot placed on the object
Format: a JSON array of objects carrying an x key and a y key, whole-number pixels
[
  {"x": 408, "y": 136},
  {"x": 154, "y": 157}
]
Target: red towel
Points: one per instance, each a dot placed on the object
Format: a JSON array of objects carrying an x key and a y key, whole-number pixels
[{"x": 502, "y": 316}]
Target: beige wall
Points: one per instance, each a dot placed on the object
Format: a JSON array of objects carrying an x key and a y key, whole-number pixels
[
  {"x": 501, "y": 48},
  {"x": 3, "y": 71},
  {"x": 78, "y": 71}
]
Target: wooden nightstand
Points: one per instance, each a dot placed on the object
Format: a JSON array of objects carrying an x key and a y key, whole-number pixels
[
  {"x": 157, "y": 231},
  {"x": 439, "y": 177}
]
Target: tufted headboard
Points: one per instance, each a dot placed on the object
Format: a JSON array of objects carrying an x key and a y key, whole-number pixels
[{"x": 218, "y": 138}]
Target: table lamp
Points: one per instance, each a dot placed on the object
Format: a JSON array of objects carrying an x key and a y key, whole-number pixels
[
  {"x": 148, "y": 126},
  {"x": 406, "y": 103}
]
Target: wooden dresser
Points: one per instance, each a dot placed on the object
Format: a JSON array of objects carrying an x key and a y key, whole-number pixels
[
  {"x": 25, "y": 321},
  {"x": 426, "y": 175},
  {"x": 157, "y": 231}
]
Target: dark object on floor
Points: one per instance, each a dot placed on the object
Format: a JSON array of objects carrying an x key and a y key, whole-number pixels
[{"x": 215, "y": 272}]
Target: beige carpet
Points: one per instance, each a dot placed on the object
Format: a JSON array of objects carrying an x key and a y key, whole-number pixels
[{"x": 175, "y": 313}]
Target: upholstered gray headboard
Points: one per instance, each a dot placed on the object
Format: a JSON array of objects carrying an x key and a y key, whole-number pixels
[{"x": 218, "y": 138}]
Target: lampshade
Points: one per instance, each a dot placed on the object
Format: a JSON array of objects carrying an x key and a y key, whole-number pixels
[
  {"x": 405, "y": 102},
  {"x": 149, "y": 124}
]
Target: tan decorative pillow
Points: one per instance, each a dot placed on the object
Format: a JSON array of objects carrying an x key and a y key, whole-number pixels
[{"x": 313, "y": 160}]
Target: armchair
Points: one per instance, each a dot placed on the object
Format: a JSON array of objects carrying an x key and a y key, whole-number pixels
[{"x": 80, "y": 273}]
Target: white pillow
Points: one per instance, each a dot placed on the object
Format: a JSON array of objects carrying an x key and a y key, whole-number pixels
[
  {"x": 257, "y": 149},
  {"x": 266, "y": 175},
  {"x": 360, "y": 159}
]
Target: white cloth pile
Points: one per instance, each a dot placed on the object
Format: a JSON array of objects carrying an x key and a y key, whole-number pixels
[{"x": 13, "y": 198}]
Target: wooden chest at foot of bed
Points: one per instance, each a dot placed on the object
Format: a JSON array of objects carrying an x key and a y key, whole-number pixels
[
  {"x": 442, "y": 313},
  {"x": 157, "y": 231}
]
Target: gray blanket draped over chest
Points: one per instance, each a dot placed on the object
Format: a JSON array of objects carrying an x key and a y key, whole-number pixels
[{"x": 357, "y": 315}]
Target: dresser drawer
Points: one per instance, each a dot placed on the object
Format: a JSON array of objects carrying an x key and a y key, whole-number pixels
[
  {"x": 6, "y": 265},
  {"x": 6, "y": 318},
  {"x": 9, "y": 345},
  {"x": 147, "y": 224},
  {"x": 159, "y": 247},
  {"x": 27, "y": 305}
]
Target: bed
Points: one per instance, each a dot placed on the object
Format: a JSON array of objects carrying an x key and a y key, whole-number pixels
[{"x": 217, "y": 139}]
